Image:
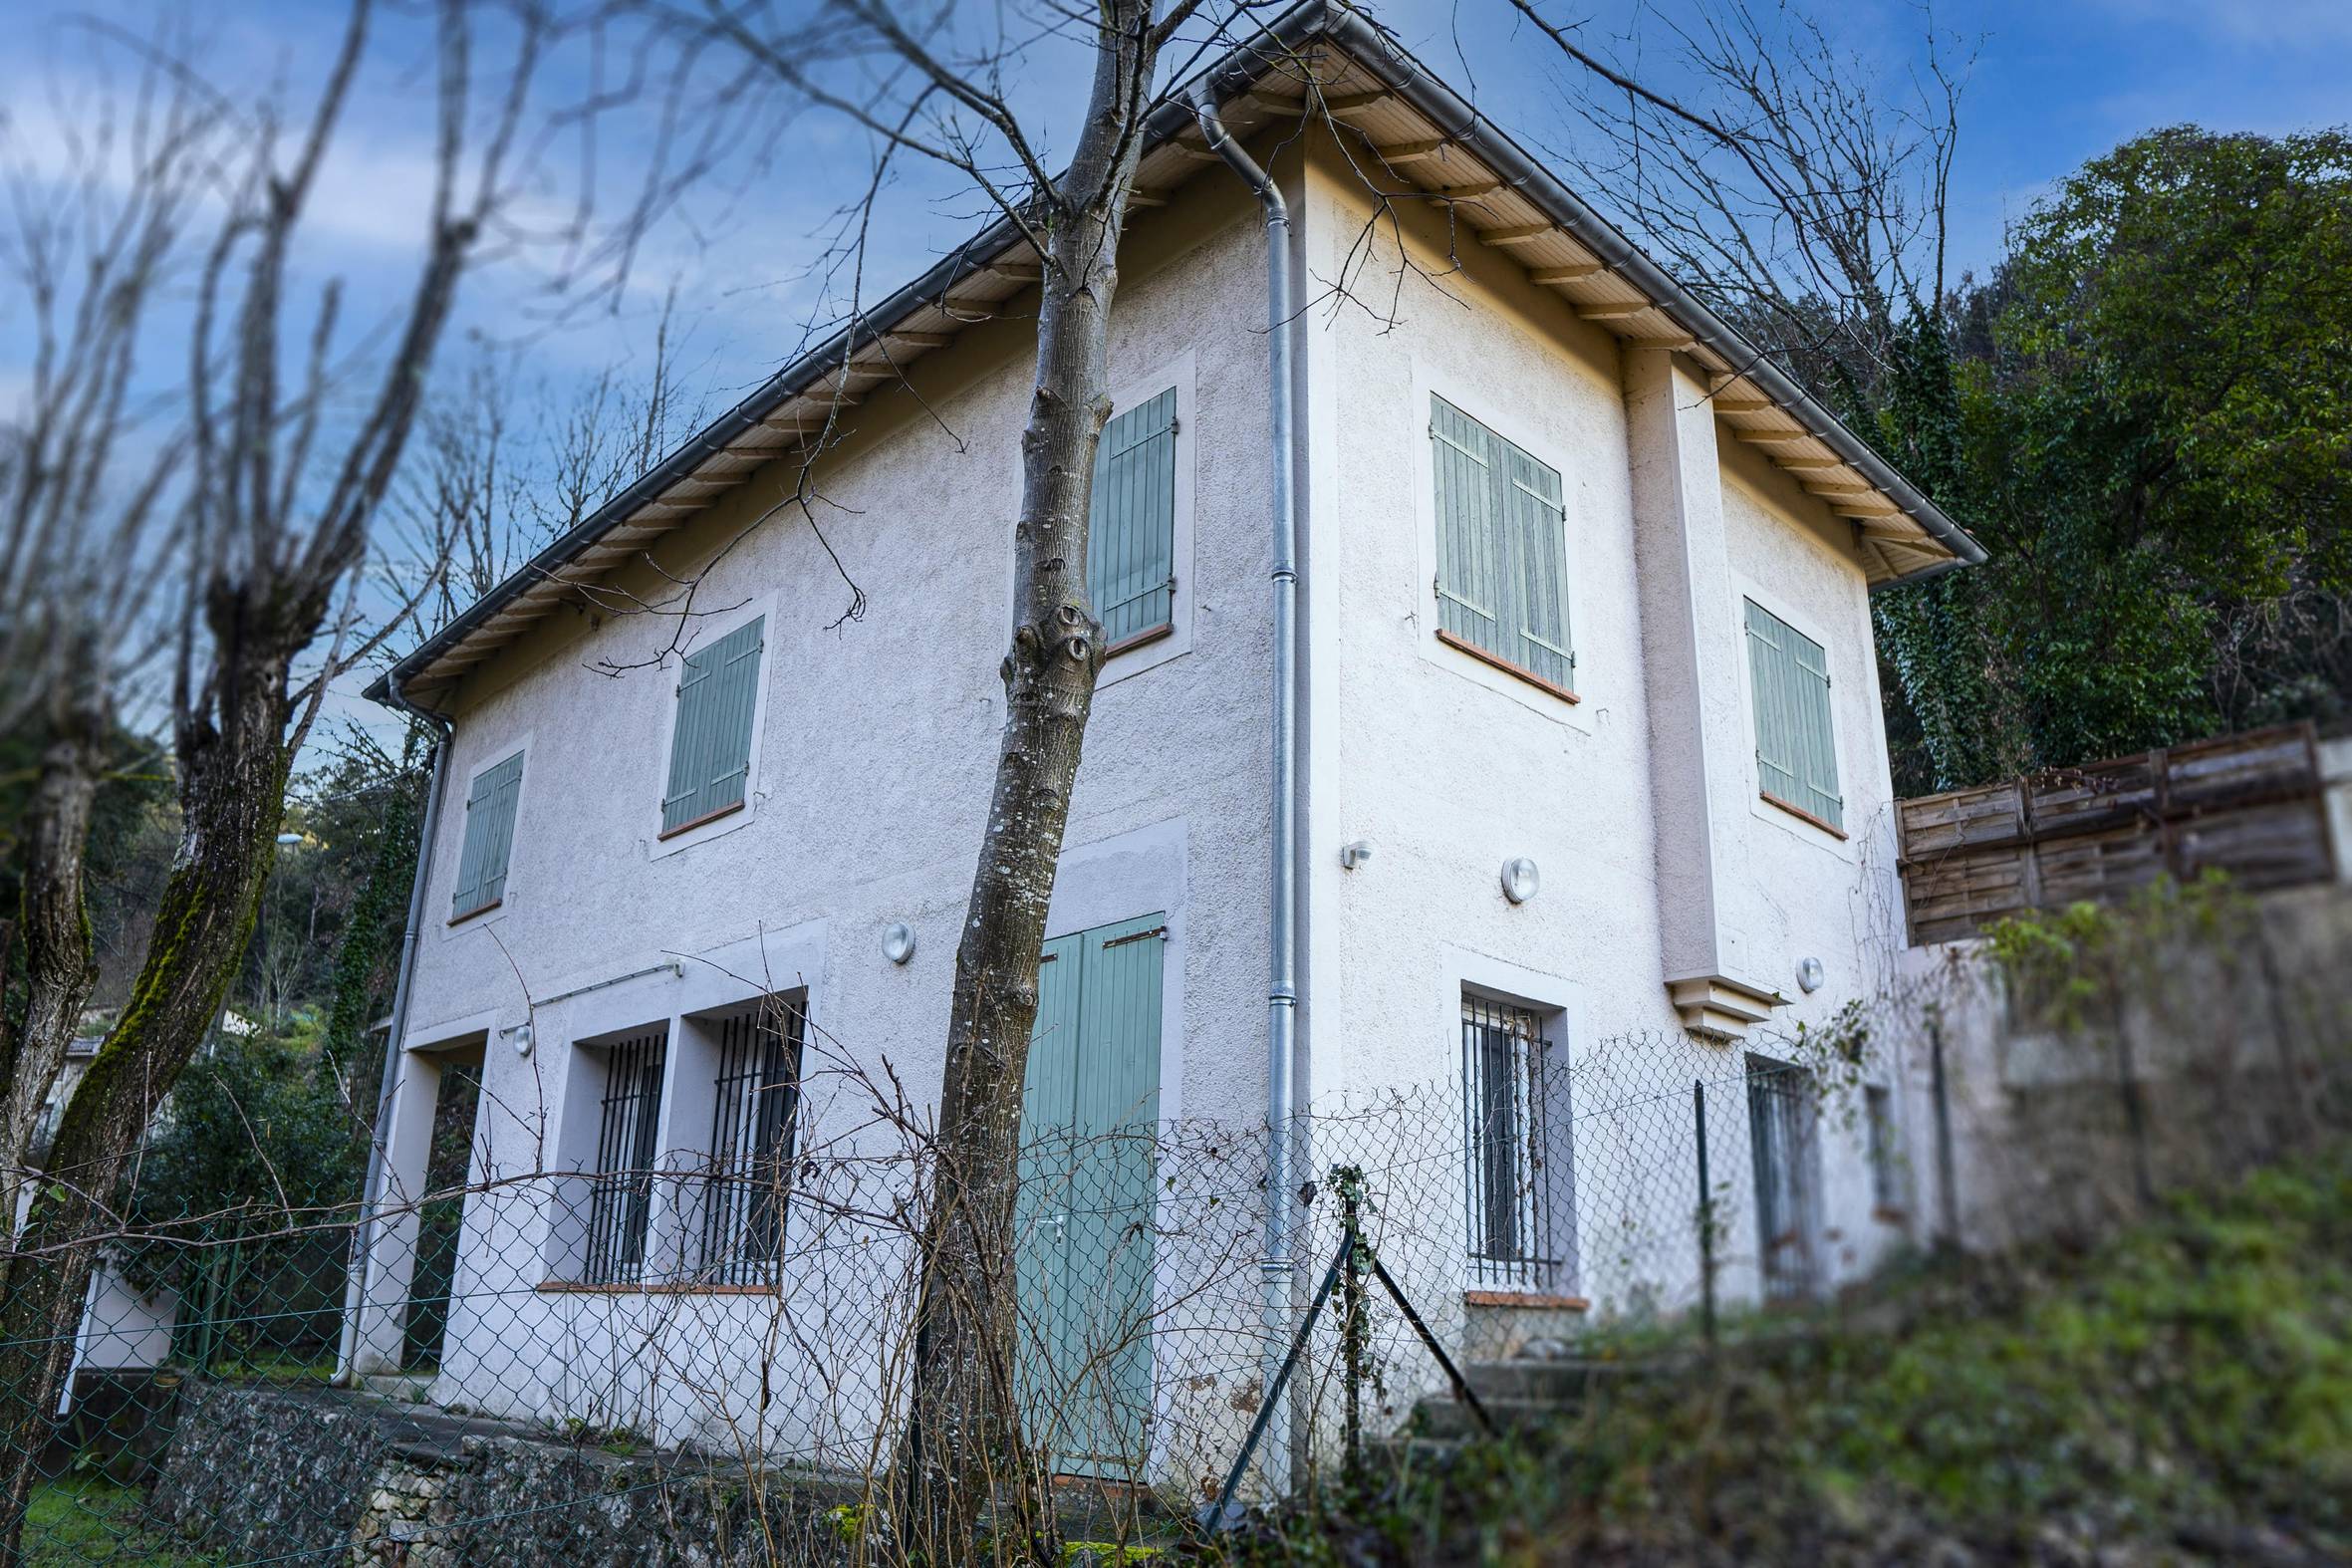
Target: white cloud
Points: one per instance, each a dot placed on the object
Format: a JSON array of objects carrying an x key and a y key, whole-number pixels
[{"x": 2245, "y": 22}]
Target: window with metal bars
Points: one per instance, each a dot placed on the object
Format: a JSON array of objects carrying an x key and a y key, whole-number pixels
[
  {"x": 1886, "y": 1159},
  {"x": 621, "y": 1192},
  {"x": 752, "y": 1120},
  {"x": 1520, "y": 1200},
  {"x": 1783, "y": 1132}
]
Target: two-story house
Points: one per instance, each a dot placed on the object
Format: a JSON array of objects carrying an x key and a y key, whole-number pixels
[{"x": 1583, "y": 744}]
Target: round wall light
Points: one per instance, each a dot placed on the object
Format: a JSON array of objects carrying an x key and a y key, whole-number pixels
[
  {"x": 1809, "y": 974},
  {"x": 898, "y": 942},
  {"x": 1519, "y": 878},
  {"x": 520, "y": 1038}
]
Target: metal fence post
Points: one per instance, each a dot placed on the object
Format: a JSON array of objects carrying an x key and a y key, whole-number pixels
[
  {"x": 1354, "y": 1333},
  {"x": 1707, "y": 1217},
  {"x": 2135, "y": 1113},
  {"x": 1946, "y": 1181}
]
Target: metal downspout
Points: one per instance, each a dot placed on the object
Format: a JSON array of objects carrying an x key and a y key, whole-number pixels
[
  {"x": 362, "y": 1239},
  {"x": 1282, "y": 927}
]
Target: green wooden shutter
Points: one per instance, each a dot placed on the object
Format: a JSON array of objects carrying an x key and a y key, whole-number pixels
[
  {"x": 489, "y": 837},
  {"x": 711, "y": 748},
  {"x": 1796, "y": 742},
  {"x": 1090, "y": 1108},
  {"x": 1502, "y": 547},
  {"x": 1130, "y": 549}
]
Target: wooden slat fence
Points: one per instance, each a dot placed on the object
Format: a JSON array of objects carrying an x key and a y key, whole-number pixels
[{"x": 2252, "y": 805}]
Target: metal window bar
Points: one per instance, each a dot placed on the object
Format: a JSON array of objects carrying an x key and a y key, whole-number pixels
[
  {"x": 621, "y": 1192},
  {"x": 1782, "y": 1127},
  {"x": 752, "y": 1122},
  {"x": 1519, "y": 1203}
]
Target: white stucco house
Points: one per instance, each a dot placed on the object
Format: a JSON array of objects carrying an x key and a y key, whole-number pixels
[{"x": 1587, "y": 748}]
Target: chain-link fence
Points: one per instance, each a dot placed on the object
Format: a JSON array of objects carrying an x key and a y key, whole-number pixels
[{"x": 657, "y": 1355}]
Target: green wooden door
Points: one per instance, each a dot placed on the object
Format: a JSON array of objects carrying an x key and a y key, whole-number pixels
[{"x": 1090, "y": 1105}]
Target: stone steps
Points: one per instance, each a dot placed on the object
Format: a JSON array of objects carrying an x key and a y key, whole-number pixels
[
  {"x": 409, "y": 1388},
  {"x": 1520, "y": 1394}
]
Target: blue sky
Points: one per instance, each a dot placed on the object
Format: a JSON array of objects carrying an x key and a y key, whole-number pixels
[{"x": 2053, "y": 84}]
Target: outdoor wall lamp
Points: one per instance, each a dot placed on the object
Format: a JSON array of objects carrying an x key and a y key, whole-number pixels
[
  {"x": 898, "y": 942},
  {"x": 1809, "y": 974},
  {"x": 1519, "y": 878}
]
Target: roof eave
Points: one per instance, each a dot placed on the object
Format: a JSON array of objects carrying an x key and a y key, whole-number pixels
[{"x": 1237, "y": 72}]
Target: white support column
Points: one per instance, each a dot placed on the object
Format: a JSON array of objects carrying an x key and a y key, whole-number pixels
[
  {"x": 383, "y": 1305},
  {"x": 1694, "y": 661}
]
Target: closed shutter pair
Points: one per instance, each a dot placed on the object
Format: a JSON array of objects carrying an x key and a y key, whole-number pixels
[
  {"x": 1502, "y": 548},
  {"x": 710, "y": 749},
  {"x": 489, "y": 837},
  {"x": 1796, "y": 748}
]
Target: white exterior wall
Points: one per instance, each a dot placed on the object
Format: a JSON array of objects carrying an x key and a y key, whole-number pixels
[
  {"x": 874, "y": 745},
  {"x": 1449, "y": 766},
  {"x": 874, "y": 748}
]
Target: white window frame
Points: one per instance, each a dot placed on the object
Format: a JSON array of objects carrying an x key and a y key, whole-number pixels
[{"x": 706, "y": 631}]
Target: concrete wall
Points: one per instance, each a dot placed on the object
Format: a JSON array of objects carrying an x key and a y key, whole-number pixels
[{"x": 2223, "y": 1048}]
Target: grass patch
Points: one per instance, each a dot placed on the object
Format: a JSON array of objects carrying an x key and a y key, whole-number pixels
[
  {"x": 87, "y": 1520},
  {"x": 2183, "y": 1393}
]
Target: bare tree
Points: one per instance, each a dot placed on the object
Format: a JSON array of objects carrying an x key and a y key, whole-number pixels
[
  {"x": 1797, "y": 188},
  {"x": 925, "y": 92},
  {"x": 486, "y": 488},
  {"x": 85, "y": 465},
  {"x": 282, "y": 447}
]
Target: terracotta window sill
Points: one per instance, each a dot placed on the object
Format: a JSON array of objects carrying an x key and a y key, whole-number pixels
[
  {"x": 705, "y": 818},
  {"x": 1802, "y": 813},
  {"x": 1461, "y": 645},
  {"x": 1530, "y": 1299},
  {"x": 479, "y": 909},
  {"x": 1137, "y": 639}
]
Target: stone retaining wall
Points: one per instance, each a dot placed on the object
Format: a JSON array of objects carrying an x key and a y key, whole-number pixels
[{"x": 321, "y": 1476}]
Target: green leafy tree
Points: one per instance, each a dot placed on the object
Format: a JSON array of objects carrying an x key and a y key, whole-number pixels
[
  {"x": 2148, "y": 422},
  {"x": 242, "y": 1197}
]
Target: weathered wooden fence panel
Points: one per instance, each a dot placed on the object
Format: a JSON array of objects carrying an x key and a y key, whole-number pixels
[{"x": 2250, "y": 805}]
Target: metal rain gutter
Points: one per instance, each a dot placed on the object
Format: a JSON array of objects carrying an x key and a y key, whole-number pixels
[
  {"x": 1275, "y": 1269},
  {"x": 364, "y": 1234}
]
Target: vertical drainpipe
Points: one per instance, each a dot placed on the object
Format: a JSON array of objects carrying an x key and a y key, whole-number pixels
[
  {"x": 1283, "y": 926},
  {"x": 355, "y": 1284}
]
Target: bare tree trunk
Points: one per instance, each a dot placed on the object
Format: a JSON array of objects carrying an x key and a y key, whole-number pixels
[
  {"x": 263, "y": 588},
  {"x": 59, "y": 966},
  {"x": 965, "y": 1452},
  {"x": 232, "y": 786}
]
